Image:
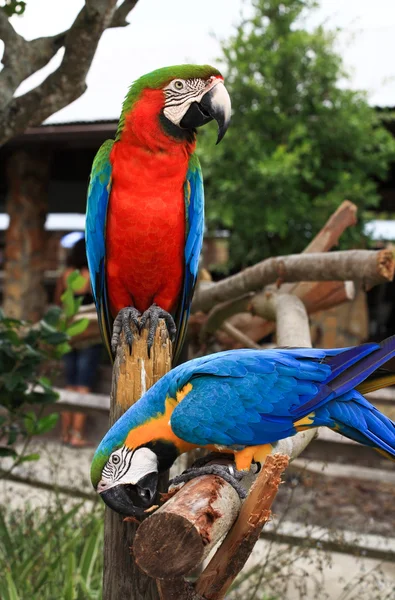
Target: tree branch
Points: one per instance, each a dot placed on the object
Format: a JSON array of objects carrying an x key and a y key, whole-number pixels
[
  {"x": 119, "y": 18},
  {"x": 366, "y": 266},
  {"x": 68, "y": 82},
  {"x": 36, "y": 54},
  {"x": 239, "y": 336}
]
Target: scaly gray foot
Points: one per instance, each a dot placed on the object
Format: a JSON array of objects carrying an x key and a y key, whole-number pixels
[
  {"x": 122, "y": 323},
  {"x": 154, "y": 313},
  {"x": 226, "y": 472}
]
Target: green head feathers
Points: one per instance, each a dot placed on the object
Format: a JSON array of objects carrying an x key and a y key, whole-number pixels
[{"x": 160, "y": 78}]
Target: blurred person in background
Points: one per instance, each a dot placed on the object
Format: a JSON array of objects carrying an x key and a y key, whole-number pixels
[{"x": 82, "y": 362}]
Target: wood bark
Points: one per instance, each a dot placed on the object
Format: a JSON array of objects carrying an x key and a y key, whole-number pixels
[
  {"x": 365, "y": 266},
  {"x": 234, "y": 551},
  {"x": 133, "y": 374},
  {"x": 180, "y": 534},
  {"x": 316, "y": 297},
  {"x": 26, "y": 240}
]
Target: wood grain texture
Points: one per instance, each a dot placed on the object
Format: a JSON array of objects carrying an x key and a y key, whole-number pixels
[
  {"x": 233, "y": 553},
  {"x": 179, "y": 535},
  {"x": 133, "y": 373}
]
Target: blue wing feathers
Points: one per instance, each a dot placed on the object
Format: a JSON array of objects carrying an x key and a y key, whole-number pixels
[
  {"x": 96, "y": 215},
  {"x": 194, "y": 214},
  {"x": 248, "y": 397}
]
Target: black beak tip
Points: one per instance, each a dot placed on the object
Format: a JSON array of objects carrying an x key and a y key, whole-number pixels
[
  {"x": 132, "y": 500},
  {"x": 119, "y": 501}
]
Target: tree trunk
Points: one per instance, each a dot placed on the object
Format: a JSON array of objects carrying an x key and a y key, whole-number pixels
[
  {"x": 133, "y": 374},
  {"x": 25, "y": 248}
]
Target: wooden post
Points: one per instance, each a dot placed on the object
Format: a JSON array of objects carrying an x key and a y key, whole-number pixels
[
  {"x": 133, "y": 374},
  {"x": 26, "y": 239}
]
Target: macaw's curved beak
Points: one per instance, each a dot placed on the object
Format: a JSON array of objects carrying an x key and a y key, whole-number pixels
[
  {"x": 132, "y": 500},
  {"x": 215, "y": 104}
]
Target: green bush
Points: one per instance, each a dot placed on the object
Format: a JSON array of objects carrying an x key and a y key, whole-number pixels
[
  {"x": 51, "y": 554},
  {"x": 299, "y": 142},
  {"x": 26, "y": 350}
]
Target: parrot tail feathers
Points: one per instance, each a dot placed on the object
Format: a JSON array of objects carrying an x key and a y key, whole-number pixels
[
  {"x": 378, "y": 380},
  {"x": 354, "y": 417}
]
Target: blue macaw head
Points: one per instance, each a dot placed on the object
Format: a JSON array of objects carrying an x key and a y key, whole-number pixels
[{"x": 139, "y": 446}]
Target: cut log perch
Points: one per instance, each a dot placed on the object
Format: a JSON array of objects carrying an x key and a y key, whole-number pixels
[
  {"x": 367, "y": 266},
  {"x": 180, "y": 534},
  {"x": 233, "y": 553},
  {"x": 133, "y": 374}
]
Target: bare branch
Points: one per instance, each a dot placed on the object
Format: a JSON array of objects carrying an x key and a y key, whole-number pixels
[
  {"x": 119, "y": 18},
  {"x": 239, "y": 336},
  {"x": 36, "y": 54},
  {"x": 366, "y": 266},
  {"x": 68, "y": 82}
]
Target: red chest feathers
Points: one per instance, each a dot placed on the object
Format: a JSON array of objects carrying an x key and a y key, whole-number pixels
[{"x": 145, "y": 235}]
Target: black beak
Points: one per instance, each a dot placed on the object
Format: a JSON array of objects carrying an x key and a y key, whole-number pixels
[
  {"x": 132, "y": 500},
  {"x": 215, "y": 104}
]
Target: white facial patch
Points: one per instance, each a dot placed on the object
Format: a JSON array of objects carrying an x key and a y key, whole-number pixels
[
  {"x": 181, "y": 93},
  {"x": 127, "y": 466}
]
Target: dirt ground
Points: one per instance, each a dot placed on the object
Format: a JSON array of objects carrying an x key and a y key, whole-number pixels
[{"x": 362, "y": 506}]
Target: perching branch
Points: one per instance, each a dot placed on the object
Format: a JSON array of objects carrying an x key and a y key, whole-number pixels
[
  {"x": 315, "y": 297},
  {"x": 366, "y": 266},
  {"x": 233, "y": 553},
  {"x": 68, "y": 82}
]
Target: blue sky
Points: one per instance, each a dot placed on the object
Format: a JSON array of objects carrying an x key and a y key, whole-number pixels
[{"x": 165, "y": 32}]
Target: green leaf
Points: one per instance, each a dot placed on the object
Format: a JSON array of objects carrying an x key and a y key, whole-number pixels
[
  {"x": 11, "y": 336},
  {"x": 47, "y": 423},
  {"x": 45, "y": 382},
  {"x": 62, "y": 349},
  {"x": 13, "y": 380},
  {"x": 77, "y": 327},
  {"x": 41, "y": 397},
  {"x": 89, "y": 555},
  {"x": 53, "y": 315},
  {"x": 29, "y": 457},
  {"x": 68, "y": 302},
  {"x": 5, "y": 452},
  {"x": 69, "y": 587},
  {"x": 6, "y": 539},
  {"x": 30, "y": 422},
  {"x": 78, "y": 283},
  {"x": 12, "y": 591}
]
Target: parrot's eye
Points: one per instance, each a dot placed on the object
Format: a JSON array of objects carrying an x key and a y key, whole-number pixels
[
  {"x": 115, "y": 459},
  {"x": 178, "y": 84}
]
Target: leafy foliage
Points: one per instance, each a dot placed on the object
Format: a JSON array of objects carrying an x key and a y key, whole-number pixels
[
  {"x": 13, "y": 7},
  {"x": 299, "y": 142},
  {"x": 51, "y": 554},
  {"x": 25, "y": 350}
]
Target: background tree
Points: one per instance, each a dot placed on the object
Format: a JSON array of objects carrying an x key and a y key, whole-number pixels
[
  {"x": 68, "y": 82},
  {"x": 299, "y": 143}
]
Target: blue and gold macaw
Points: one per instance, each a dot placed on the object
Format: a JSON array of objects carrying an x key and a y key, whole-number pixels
[{"x": 241, "y": 401}]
